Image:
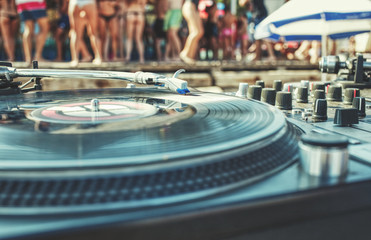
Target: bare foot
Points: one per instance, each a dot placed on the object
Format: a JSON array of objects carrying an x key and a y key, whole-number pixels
[
  {"x": 186, "y": 59},
  {"x": 74, "y": 63},
  {"x": 271, "y": 59},
  {"x": 86, "y": 59},
  {"x": 41, "y": 59},
  {"x": 97, "y": 61}
]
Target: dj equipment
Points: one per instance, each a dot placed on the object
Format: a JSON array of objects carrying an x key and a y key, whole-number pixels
[{"x": 166, "y": 162}]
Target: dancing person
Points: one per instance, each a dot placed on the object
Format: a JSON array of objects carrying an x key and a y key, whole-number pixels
[
  {"x": 243, "y": 34},
  {"x": 77, "y": 10},
  {"x": 63, "y": 27},
  {"x": 122, "y": 7},
  {"x": 9, "y": 26},
  {"x": 108, "y": 11},
  {"x": 260, "y": 12},
  {"x": 228, "y": 33},
  {"x": 196, "y": 31},
  {"x": 135, "y": 23},
  {"x": 173, "y": 20},
  {"x": 158, "y": 26},
  {"x": 31, "y": 12},
  {"x": 211, "y": 30}
]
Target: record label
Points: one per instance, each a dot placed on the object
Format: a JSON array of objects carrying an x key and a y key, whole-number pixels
[{"x": 84, "y": 112}]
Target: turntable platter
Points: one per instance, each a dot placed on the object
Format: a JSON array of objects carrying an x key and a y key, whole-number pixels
[{"x": 157, "y": 145}]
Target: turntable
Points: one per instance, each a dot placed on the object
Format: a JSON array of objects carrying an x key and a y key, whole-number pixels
[{"x": 166, "y": 162}]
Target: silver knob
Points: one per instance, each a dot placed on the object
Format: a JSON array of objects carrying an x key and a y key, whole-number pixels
[
  {"x": 94, "y": 105},
  {"x": 324, "y": 155},
  {"x": 131, "y": 85},
  {"x": 242, "y": 90}
]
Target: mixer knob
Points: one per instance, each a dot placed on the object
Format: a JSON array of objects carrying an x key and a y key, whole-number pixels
[
  {"x": 349, "y": 94},
  {"x": 277, "y": 85},
  {"x": 284, "y": 100},
  {"x": 302, "y": 95},
  {"x": 319, "y": 94},
  {"x": 269, "y": 96},
  {"x": 255, "y": 92},
  {"x": 346, "y": 116},
  {"x": 130, "y": 85},
  {"x": 242, "y": 90},
  {"x": 334, "y": 93},
  {"x": 318, "y": 86},
  {"x": 324, "y": 155},
  {"x": 288, "y": 87},
  {"x": 260, "y": 83},
  {"x": 305, "y": 83},
  {"x": 359, "y": 103},
  {"x": 320, "y": 110}
]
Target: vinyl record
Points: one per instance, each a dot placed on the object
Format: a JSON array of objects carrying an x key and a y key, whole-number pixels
[{"x": 94, "y": 150}]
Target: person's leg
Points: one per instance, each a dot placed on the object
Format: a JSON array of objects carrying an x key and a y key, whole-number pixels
[
  {"x": 74, "y": 17},
  {"x": 244, "y": 44},
  {"x": 139, "y": 28},
  {"x": 214, "y": 47},
  {"x": 302, "y": 52},
  {"x": 158, "y": 49},
  {"x": 228, "y": 48},
  {"x": 316, "y": 49},
  {"x": 130, "y": 20},
  {"x": 102, "y": 30},
  {"x": 92, "y": 17},
  {"x": 271, "y": 55},
  {"x": 59, "y": 43},
  {"x": 195, "y": 30},
  {"x": 258, "y": 50},
  {"x": 174, "y": 41},
  {"x": 27, "y": 40},
  {"x": 168, "y": 50},
  {"x": 14, "y": 30},
  {"x": 174, "y": 21},
  {"x": 121, "y": 33},
  {"x": 83, "y": 49},
  {"x": 113, "y": 27},
  {"x": 85, "y": 54},
  {"x": 8, "y": 37},
  {"x": 41, "y": 37}
]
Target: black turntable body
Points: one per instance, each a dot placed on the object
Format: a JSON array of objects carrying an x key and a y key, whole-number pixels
[{"x": 150, "y": 163}]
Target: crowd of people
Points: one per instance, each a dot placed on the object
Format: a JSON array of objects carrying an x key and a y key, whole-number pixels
[{"x": 139, "y": 30}]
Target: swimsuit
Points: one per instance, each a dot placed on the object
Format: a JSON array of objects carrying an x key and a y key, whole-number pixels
[
  {"x": 64, "y": 22},
  {"x": 211, "y": 29},
  {"x": 9, "y": 11},
  {"x": 173, "y": 19},
  {"x": 81, "y": 3},
  {"x": 135, "y": 13},
  {"x": 31, "y": 9},
  {"x": 158, "y": 27},
  {"x": 227, "y": 32},
  {"x": 108, "y": 18}
]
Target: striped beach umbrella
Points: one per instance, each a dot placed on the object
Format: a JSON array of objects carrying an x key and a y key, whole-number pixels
[{"x": 316, "y": 20}]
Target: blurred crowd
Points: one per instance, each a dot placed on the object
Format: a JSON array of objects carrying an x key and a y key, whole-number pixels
[{"x": 139, "y": 30}]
